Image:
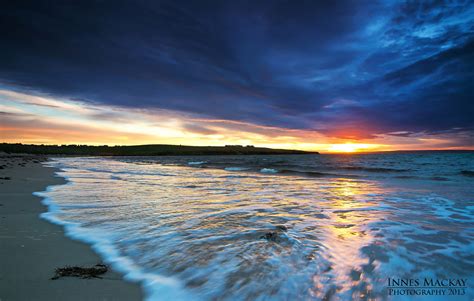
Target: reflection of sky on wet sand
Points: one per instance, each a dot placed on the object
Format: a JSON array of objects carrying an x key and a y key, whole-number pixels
[{"x": 246, "y": 235}]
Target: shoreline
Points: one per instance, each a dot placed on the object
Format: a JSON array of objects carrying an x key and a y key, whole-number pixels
[{"x": 32, "y": 248}]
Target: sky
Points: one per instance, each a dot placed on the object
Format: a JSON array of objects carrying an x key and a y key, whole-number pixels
[{"x": 313, "y": 75}]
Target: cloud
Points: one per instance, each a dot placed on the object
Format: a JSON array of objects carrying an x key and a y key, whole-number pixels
[
  {"x": 199, "y": 129},
  {"x": 345, "y": 69}
]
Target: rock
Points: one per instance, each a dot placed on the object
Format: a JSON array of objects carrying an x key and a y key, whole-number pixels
[{"x": 270, "y": 236}]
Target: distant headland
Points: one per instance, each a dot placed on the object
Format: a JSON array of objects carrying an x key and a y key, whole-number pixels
[{"x": 144, "y": 150}]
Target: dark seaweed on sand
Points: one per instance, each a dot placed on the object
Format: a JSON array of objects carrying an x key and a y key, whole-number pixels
[{"x": 84, "y": 273}]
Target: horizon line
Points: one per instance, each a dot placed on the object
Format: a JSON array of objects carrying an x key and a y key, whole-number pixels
[{"x": 256, "y": 146}]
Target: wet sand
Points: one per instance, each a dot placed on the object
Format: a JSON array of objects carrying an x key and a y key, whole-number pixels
[{"x": 31, "y": 248}]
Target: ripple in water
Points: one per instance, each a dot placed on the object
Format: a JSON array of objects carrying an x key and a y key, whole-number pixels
[{"x": 188, "y": 233}]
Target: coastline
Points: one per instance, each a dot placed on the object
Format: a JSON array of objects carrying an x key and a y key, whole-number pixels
[{"x": 32, "y": 248}]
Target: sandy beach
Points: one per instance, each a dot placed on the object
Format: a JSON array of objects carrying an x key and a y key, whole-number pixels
[{"x": 31, "y": 248}]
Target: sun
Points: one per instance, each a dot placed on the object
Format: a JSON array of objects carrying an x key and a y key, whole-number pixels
[
  {"x": 343, "y": 148},
  {"x": 349, "y": 147}
]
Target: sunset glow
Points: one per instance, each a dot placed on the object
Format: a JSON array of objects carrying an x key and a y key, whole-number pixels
[
  {"x": 44, "y": 119},
  {"x": 358, "y": 78},
  {"x": 352, "y": 147}
]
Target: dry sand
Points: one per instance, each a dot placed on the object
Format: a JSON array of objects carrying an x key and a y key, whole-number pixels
[{"x": 31, "y": 248}]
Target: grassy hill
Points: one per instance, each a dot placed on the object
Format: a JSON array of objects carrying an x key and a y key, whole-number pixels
[{"x": 143, "y": 150}]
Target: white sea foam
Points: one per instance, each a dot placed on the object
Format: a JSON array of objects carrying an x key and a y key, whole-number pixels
[
  {"x": 236, "y": 168},
  {"x": 197, "y": 162},
  {"x": 268, "y": 170}
]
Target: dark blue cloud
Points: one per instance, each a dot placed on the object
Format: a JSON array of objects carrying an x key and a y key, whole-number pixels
[{"x": 322, "y": 65}]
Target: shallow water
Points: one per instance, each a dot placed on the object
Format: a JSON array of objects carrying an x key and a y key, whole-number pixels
[{"x": 273, "y": 227}]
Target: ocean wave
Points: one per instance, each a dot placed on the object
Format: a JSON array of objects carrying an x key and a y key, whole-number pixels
[
  {"x": 197, "y": 162},
  {"x": 236, "y": 168},
  {"x": 236, "y": 176},
  {"x": 268, "y": 170},
  {"x": 315, "y": 174},
  {"x": 305, "y": 173},
  {"x": 406, "y": 177},
  {"x": 374, "y": 169},
  {"x": 438, "y": 178},
  {"x": 128, "y": 172}
]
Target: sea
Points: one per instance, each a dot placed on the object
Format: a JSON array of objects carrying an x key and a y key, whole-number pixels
[{"x": 381, "y": 226}]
